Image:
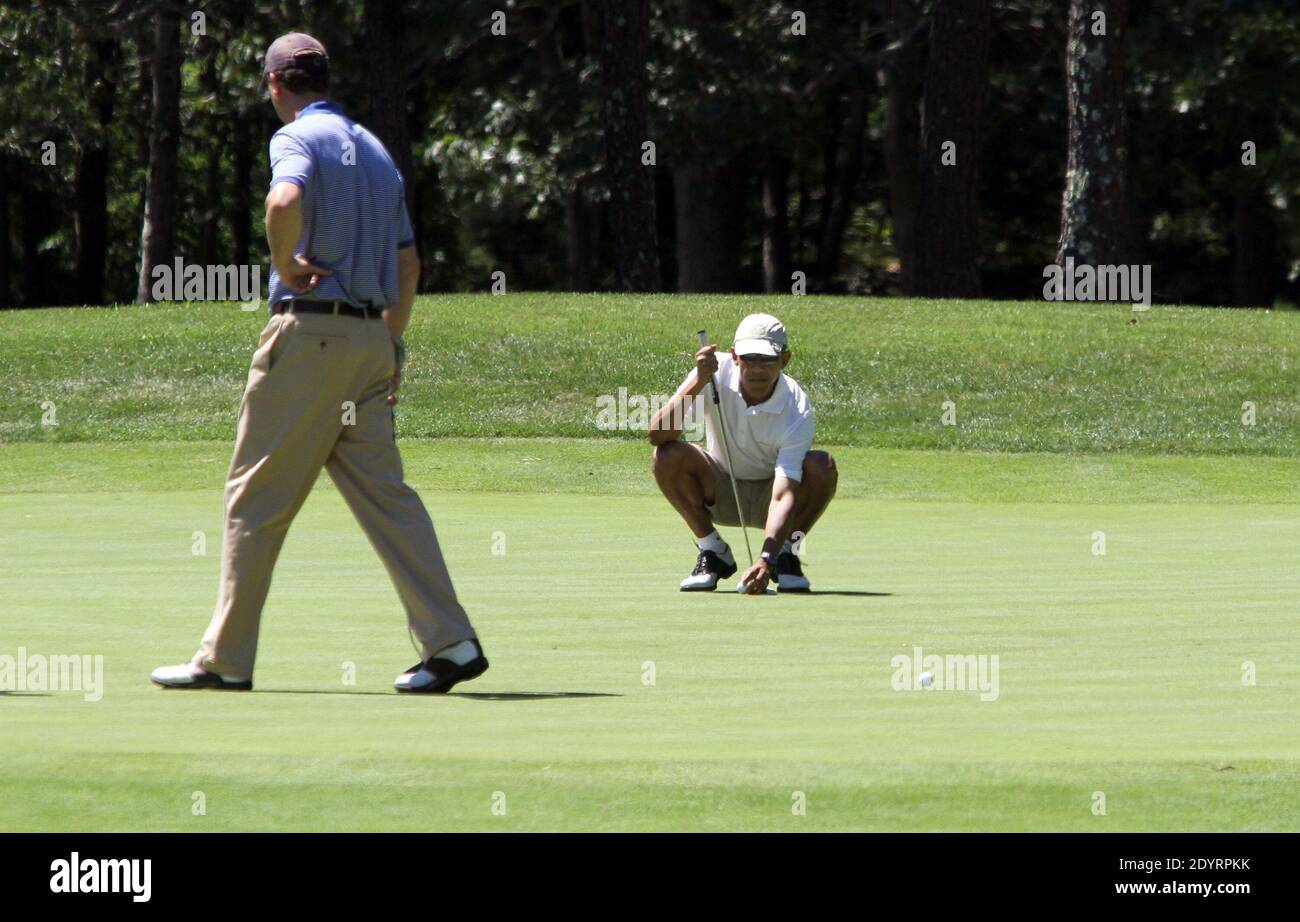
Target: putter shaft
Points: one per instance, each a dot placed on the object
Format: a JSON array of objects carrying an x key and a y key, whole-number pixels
[{"x": 726, "y": 451}]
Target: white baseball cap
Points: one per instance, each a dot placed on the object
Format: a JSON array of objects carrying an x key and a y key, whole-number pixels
[{"x": 760, "y": 334}]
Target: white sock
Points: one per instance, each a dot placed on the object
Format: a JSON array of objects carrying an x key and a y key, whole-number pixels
[
  {"x": 713, "y": 542},
  {"x": 459, "y": 653}
]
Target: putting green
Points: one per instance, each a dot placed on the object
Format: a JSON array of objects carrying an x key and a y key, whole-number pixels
[{"x": 1120, "y": 674}]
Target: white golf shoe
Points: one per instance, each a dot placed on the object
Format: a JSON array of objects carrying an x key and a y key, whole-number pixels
[
  {"x": 789, "y": 574},
  {"x": 709, "y": 568},
  {"x": 191, "y": 675}
]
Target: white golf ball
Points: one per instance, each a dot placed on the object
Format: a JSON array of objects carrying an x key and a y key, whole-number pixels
[{"x": 926, "y": 679}]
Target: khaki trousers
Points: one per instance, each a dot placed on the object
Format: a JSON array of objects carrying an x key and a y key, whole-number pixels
[
  {"x": 755, "y": 497},
  {"x": 317, "y": 397}
]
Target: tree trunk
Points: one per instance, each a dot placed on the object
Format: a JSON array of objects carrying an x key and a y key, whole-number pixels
[
  {"x": 215, "y": 144},
  {"x": 1255, "y": 276},
  {"x": 582, "y": 221},
  {"x": 776, "y": 232},
  {"x": 142, "y": 108},
  {"x": 426, "y": 189},
  {"x": 955, "y": 79},
  {"x": 846, "y": 181},
  {"x": 211, "y": 236},
  {"x": 241, "y": 217},
  {"x": 387, "y": 88},
  {"x": 708, "y": 203},
  {"x": 157, "y": 237},
  {"x": 592, "y": 30},
  {"x": 902, "y": 76},
  {"x": 624, "y": 44},
  {"x": 830, "y": 168},
  {"x": 90, "y": 181},
  {"x": 39, "y": 270},
  {"x": 1094, "y": 207},
  {"x": 801, "y": 218},
  {"x": 6, "y": 257}
]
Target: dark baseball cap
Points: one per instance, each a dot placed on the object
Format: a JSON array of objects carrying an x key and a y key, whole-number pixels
[{"x": 296, "y": 49}]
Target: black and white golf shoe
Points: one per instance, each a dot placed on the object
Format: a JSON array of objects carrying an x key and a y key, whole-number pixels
[
  {"x": 189, "y": 675},
  {"x": 436, "y": 676},
  {"x": 709, "y": 568},
  {"x": 789, "y": 574}
]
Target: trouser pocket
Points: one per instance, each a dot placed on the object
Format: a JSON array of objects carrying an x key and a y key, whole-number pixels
[{"x": 264, "y": 357}]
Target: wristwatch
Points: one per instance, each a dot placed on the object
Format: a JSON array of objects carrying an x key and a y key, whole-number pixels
[{"x": 768, "y": 559}]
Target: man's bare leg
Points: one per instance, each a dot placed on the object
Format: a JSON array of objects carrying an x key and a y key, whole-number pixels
[
  {"x": 815, "y": 491},
  {"x": 812, "y": 495},
  {"x": 686, "y": 480}
]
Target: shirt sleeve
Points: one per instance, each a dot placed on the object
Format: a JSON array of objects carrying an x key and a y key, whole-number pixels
[
  {"x": 405, "y": 232},
  {"x": 291, "y": 161},
  {"x": 794, "y": 446}
]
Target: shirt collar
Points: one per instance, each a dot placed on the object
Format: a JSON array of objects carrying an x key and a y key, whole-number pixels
[
  {"x": 774, "y": 404},
  {"x": 322, "y": 105}
]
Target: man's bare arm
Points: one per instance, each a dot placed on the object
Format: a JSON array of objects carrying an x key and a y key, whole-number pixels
[
  {"x": 408, "y": 280},
  {"x": 283, "y": 227},
  {"x": 283, "y": 223},
  {"x": 662, "y": 429},
  {"x": 780, "y": 514}
]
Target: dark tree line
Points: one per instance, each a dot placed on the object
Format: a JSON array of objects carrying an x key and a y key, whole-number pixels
[{"x": 928, "y": 147}]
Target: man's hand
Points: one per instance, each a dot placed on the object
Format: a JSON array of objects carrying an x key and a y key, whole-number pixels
[
  {"x": 399, "y": 348},
  {"x": 706, "y": 363},
  {"x": 756, "y": 578},
  {"x": 302, "y": 275}
]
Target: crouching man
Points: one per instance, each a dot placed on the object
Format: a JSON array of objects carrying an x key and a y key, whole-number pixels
[{"x": 783, "y": 486}]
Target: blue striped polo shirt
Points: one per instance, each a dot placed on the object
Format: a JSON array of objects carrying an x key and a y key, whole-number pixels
[{"x": 354, "y": 216}]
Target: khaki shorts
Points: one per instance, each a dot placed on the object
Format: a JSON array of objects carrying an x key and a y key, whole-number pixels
[{"x": 755, "y": 497}]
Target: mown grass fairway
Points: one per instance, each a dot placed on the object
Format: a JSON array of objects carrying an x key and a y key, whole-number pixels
[
  {"x": 1120, "y": 674},
  {"x": 1023, "y": 376}
]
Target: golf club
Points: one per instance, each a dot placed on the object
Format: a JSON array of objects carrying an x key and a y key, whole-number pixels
[{"x": 726, "y": 451}]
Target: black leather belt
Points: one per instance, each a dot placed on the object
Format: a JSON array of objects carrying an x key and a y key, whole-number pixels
[{"x": 327, "y": 307}]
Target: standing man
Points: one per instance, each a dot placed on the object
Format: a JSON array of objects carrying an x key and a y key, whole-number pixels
[
  {"x": 784, "y": 487},
  {"x": 323, "y": 382}
]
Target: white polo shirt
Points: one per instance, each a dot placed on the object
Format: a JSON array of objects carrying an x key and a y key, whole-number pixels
[{"x": 767, "y": 439}]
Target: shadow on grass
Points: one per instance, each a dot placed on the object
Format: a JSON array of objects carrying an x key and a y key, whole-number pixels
[
  {"x": 529, "y": 696},
  {"x": 846, "y": 592},
  {"x": 314, "y": 691},
  {"x": 18, "y": 694},
  {"x": 797, "y": 595},
  {"x": 479, "y": 696}
]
